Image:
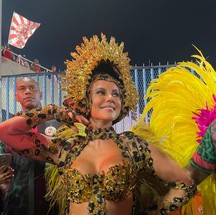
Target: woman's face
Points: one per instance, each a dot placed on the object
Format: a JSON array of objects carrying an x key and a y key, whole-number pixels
[{"x": 106, "y": 102}]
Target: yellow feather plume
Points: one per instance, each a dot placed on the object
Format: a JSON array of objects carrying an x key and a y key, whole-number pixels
[{"x": 174, "y": 97}]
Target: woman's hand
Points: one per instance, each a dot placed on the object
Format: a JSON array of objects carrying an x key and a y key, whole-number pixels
[
  {"x": 79, "y": 118},
  {"x": 6, "y": 174}
]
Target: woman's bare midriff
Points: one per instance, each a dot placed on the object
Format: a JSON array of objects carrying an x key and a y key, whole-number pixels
[{"x": 123, "y": 207}]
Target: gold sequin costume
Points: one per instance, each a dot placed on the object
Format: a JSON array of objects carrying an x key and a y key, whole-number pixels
[
  {"x": 118, "y": 183},
  {"x": 121, "y": 180}
]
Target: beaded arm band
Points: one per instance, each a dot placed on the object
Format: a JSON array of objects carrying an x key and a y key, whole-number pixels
[
  {"x": 45, "y": 113},
  {"x": 178, "y": 202}
]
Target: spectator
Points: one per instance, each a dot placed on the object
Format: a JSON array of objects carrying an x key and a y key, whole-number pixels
[
  {"x": 54, "y": 70},
  {"x": 20, "y": 60},
  {"x": 8, "y": 53},
  {"x": 25, "y": 62},
  {"x": 26, "y": 193},
  {"x": 35, "y": 66}
]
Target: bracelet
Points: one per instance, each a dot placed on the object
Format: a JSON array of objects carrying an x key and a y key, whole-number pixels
[{"x": 178, "y": 202}]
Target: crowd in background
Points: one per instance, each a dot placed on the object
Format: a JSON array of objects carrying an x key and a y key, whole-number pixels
[{"x": 22, "y": 60}]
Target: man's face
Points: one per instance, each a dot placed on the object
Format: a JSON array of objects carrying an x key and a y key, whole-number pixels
[{"x": 28, "y": 93}]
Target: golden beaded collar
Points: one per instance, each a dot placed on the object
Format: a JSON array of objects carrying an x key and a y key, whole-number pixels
[{"x": 106, "y": 133}]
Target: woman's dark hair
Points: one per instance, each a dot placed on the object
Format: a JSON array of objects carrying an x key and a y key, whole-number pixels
[{"x": 107, "y": 67}]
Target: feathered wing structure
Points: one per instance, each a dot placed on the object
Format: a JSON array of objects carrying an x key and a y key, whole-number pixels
[{"x": 182, "y": 105}]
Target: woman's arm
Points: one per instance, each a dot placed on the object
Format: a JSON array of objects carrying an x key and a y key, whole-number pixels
[
  {"x": 181, "y": 187},
  {"x": 16, "y": 132}
]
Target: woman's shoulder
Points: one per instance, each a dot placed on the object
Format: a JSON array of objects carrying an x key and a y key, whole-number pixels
[
  {"x": 129, "y": 135},
  {"x": 134, "y": 142}
]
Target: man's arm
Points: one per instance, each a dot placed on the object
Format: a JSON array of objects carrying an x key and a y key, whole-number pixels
[{"x": 203, "y": 161}]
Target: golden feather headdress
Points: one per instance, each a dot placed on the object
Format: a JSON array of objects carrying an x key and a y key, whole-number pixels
[{"x": 79, "y": 73}]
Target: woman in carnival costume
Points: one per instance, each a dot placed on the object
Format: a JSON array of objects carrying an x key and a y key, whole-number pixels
[
  {"x": 183, "y": 113},
  {"x": 98, "y": 171}
]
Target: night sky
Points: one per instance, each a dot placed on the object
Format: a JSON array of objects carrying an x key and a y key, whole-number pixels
[{"x": 153, "y": 30}]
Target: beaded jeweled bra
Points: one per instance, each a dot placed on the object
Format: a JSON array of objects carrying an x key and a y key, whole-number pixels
[{"x": 115, "y": 185}]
